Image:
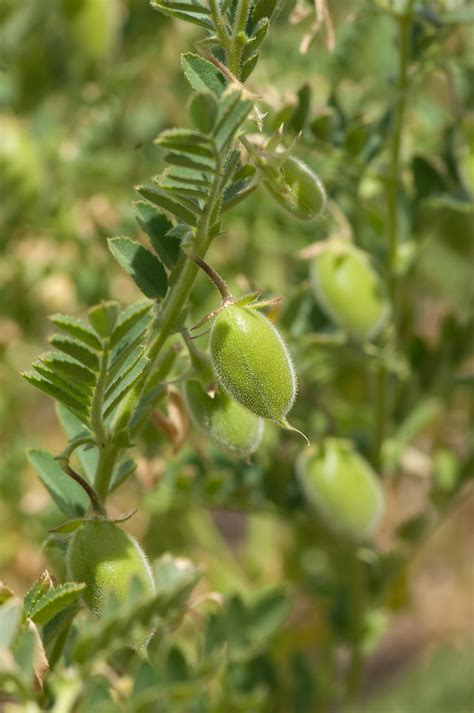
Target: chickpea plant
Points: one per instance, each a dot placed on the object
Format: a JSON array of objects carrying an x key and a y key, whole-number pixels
[
  {"x": 67, "y": 643},
  {"x": 108, "y": 374}
]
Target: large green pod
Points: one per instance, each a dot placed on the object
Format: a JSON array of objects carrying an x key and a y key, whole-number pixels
[
  {"x": 296, "y": 188},
  {"x": 342, "y": 488},
  {"x": 349, "y": 290},
  {"x": 230, "y": 426},
  {"x": 251, "y": 362},
  {"x": 106, "y": 558}
]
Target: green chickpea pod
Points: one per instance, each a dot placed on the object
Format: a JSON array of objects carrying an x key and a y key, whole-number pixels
[
  {"x": 251, "y": 362},
  {"x": 296, "y": 188},
  {"x": 349, "y": 290},
  {"x": 226, "y": 423},
  {"x": 342, "y": 488},
  {"x": 106, "y": 558}
]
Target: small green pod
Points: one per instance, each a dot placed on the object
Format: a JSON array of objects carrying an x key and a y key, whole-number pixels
[
  {"x": 226, "y": 423},
  {"x": 251, "y": 362},
  {"x": 349, "y": 290},
  {"x": 296, "y": 188},
  {"x": 106, "y": 558},
  {"x": 342, "y": 488}
]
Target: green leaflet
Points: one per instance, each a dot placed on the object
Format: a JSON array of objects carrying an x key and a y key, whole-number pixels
[
  {"x": 55, "y": 600},
  {"x": 144, "y": 268},
  {"x": 202, "y": 74}
]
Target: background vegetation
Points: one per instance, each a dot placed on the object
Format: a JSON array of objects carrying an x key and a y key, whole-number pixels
[{"x": 85, "y": 87}]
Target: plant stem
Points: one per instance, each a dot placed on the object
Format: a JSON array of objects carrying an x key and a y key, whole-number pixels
[
  {"x": 185, "y": 276},
  {"x": 92, "y": 495},
  {"x": 220, "y": 25},
  {"x": 392, "y": 194},
  {"x": 96, "y": 409},
  {"x": 234, "y": 57},
  {"x": 105, "y": 469},
  {"x": 214, "y": 276}
]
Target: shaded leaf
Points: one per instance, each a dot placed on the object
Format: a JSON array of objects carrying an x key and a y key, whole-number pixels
[
  {"x": 163, "y": 199},
  {"x": 202, "y": 74},
  {"x": 104, "y": 316},
  {"x": 203, "y": 110},
  {"x": 156, "y": 226},
  {"x": 428, "y": 180},
  {"x": 143, "y": 267},
  {"x": 66, "y": 493}
]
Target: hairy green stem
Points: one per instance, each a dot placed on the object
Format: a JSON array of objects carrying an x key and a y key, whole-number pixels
[
  {"x": 220, "y": 25},
  {"x": 235, "y": 56},
  {"x": 105, "y": 469},
  {"x": 95, "y": 501},
  {"x": 96, "y": 409},
  {"x": 214, "y": 276},
  {"x": 185, "y": 275},
  {"x": 76, "y": 442}
]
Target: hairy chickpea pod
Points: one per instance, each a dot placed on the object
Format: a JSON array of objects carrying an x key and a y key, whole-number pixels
[
  {"x": 349, "y": 290},
  {"x": 251, "y": 362},
  {"x": 342, "y": 489},
  {"x": 106, "y": 558},
  {"x": 297, "y": 189},
  {"x": 228, "y": 425}
]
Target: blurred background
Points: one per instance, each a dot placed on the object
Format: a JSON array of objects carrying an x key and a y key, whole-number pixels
[{"x": 85, "y": 87}]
